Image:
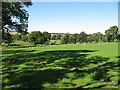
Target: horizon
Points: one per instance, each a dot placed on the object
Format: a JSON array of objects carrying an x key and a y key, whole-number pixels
[
  {"x": 72, "y": 17},
  {"x": 65, "y": 33}
]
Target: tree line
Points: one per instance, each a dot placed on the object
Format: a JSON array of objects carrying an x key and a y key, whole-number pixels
[
  {"x": 37, "y": 37},
  {"x": 17, "y": 20}
]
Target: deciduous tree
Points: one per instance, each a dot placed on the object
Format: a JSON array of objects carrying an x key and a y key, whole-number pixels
[{"x": 14, "y": 17}]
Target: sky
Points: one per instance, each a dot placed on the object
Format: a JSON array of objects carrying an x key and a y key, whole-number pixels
[{"x": 72, "y": 17}]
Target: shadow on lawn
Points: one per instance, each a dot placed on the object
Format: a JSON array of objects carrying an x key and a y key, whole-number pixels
[
  {"x": 17, "y": 51},
  {"x": 19, "y": 45},
  {"x": 23, "y": 69}
]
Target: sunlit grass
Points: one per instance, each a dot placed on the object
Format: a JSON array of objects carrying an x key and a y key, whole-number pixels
[{"x": 61, "y": 66}]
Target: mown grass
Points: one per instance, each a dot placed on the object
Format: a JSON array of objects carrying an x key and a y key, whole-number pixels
[{"x": 61, "y": 66}]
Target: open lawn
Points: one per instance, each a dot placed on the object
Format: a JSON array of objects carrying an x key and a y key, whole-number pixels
[{"x": 61, "y": 66}]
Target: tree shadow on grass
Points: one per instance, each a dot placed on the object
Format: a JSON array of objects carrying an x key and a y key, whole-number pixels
[
  {"x": 17, "y": 51},
  {"x": 31, "y": 70},
  {"x": 33, "y": 79}
]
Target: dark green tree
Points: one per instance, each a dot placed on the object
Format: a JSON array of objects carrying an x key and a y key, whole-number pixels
[
  {"x": 65, "y": 38},
  {"x": 104, "y": 39},
  {"x": 82, "y": 37},
  {"x": 75, "y": 36},
  {"x": 17, "y": 37},
  {"x": 111, "y": 33},
  {"x": 118, "y": 37},
  {"x": 36, "y": 37},
  {"x": 53, "y": 37},
  {"x": 7, "y": 38},
  {"x": 72, "y": 39},
  {"x": 46, "y": 36},
  {"x": 24, "y": 38},
  {"x": 14, "y": 17},
  {"x": 97, "y": 37}
]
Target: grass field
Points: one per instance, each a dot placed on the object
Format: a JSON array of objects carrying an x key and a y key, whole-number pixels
[{"x": 61, "y": 66}]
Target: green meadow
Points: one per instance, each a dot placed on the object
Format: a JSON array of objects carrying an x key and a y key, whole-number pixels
[{"x": 74, "y": 66}]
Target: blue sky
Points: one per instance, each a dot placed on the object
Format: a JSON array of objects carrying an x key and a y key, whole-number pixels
[{"x": 72, "y": 17}]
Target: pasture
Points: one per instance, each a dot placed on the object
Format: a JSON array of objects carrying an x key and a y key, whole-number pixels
[{"x": 80, "y": 66}]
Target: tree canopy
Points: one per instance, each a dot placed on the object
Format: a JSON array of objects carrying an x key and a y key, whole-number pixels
[
  {"x": 14, "y": 17},
  {"x": 39, "y": 38},
  {"x": 112, "y": 33}
]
